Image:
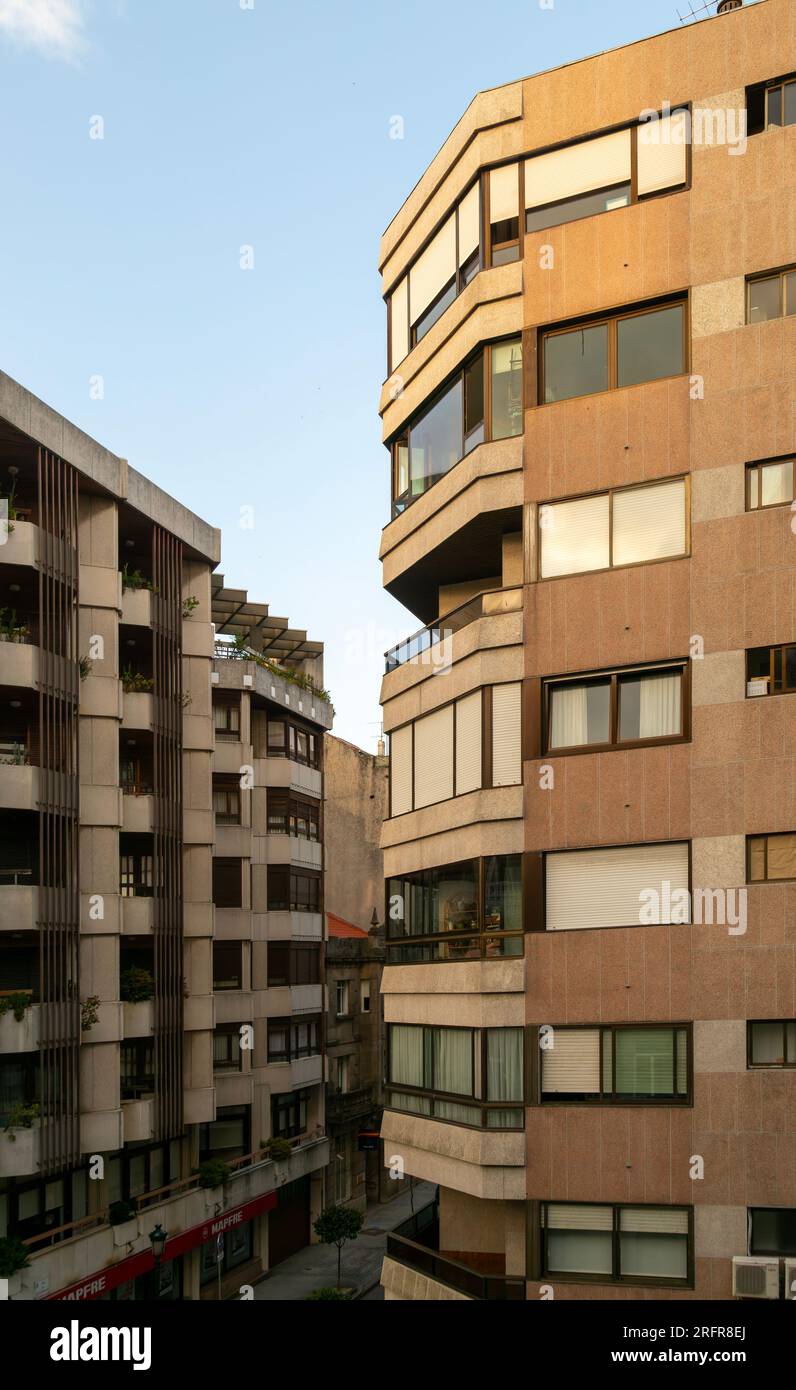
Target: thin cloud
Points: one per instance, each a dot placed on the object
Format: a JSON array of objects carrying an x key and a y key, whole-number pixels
[{"x": 55, "y": 27}]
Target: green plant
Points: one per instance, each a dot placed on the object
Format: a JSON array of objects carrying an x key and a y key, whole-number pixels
[
  {"x": 89, "y": 1013},
  {"x": 20, "y": 1116},
  {"x": 239, "y": 650},
  {"x": 86, "y": 667},
  {"x": 136, "y": 985},
  {"x": 119, "y": 1212},
  {"x": 338, "y": 1295},
  {"x": 134, "y": 683},
  {"x": 134, "y": 579},
  {"x": 213, "y": 1173},
  {"x": 336, "y": 1226},
  {"x": 13, "y": 1256},
  {"x": 16, "y": 1003},
  {"x": 189, "y": 605},
  {"x": 187, "y": 699},
  {"x": 18, "y": 758},
  {"x": 278, "y": 1148}
]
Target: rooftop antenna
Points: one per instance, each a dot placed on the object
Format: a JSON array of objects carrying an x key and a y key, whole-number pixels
[{"x": 698, "y": 12}]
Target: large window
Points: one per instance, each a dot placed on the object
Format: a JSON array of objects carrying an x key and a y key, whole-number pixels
[
  {"x": 226, "y": 718},
  {"x": 773, "y": 1231},
  {"x": 442, "y": 270},
  {"x": 616, "y": 709},
  {"x": 226, "y": 800},
  {"x": 292, "y": 815},
  {"x": 288, "y": 739},
  {"x": 136, "y": 1068},
  {"x": 771, "y": 670},
  {"x": 227, "y": 1136},
  {"x": 471, "y": 743},
  {"x": 629, "y": 886},
  {"x": 464, "y": 1075},
  {"x": 626, "y": 1244},
  {"x": 227, "y": 882},
  {"x": 620, "y": 350},
  {"x": 293, "y": 964},
  {"x": 289, "y": 1114},
  {"x": 483, "y": 402},
  {"x": 293, "y": 890},
  {"x": 622, "y": 1064},
  {"x": 289, "y": 1040},
  {"x": 771, "y": 105},
  {"x": 227, "y": 965},
  {"x": 771, "y": 858},
  {"x": 227, "y": 1050},
  {"x": 771, "y": 296},
  {"x": 770, "y": 484},
  {"x": 467, "y": 911},
  {"x": 629, "y": 526},
  {"x": 771, "y": 1043}
]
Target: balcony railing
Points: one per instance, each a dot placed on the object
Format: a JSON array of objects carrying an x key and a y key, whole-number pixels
[
  {"x": 18, "y": 878},
  {"x": 416, "y": 1243},
  {"x": 487, "y": 605}
]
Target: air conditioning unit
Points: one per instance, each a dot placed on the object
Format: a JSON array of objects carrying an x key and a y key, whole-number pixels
[
  {"x": 790, "y": 1279},
  {"x": 755, "y": 1277}
]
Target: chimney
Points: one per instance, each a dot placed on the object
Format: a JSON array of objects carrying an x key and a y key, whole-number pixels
[{"x": 726, "y": 5}]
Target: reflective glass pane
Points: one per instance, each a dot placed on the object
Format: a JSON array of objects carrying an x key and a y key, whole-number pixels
[
  {"x": 576, "y": 363},
  {"x": 790, "y": 103},
  {"x": 650, "y": 346},
  {"x": 774, "y": 106},
  {"x": 507, "y": 389},
  {"x": 765, "y": 299},
  {"x": 436, "y": 439},
  {"x": 503, "y": 893},
  {"x": 790, "y": 291},
  {"x": 776, "y": 483},
  {"x": 768, "y": 1042},
  {"x": 580, "y": 714},
  {"x": 649, "y": 706}
]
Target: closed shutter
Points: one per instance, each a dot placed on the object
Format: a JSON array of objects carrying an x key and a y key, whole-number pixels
[
  {"x": 573, "y": 1063},
  {"x": 603, "y": 887},
  {"x": 504, "y": 193},
  {"x": 574, "y": 536},
  {"x": 506, "y": 742},
  {"x": 661, "y": 1220},
  {"x": 582, "y": 168},
  {"x": 468, "y": 743},
  {"x": 662, "y": 149},
  {"x": 401, "y": 770},
  {"x": 399, "y": 323},
  {"x": 433, "y": 270},
  {"x": 564, "y": 1217},
  {"x": 434, "y": 757},
  {"x": 469, "y": 223},
  {"x": 649, "y": 523}
]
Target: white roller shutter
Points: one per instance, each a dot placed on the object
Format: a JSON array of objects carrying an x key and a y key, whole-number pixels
[
  {"x": 401, "y": 771},
  {"x": 434, "y": 757},
  {"x": 504, "y": 193},
  {"x": 573, "y": 1063},
  {"x": 564, "y": 1217},
  {"x": 649, "y": 523},
  {"x": 399, "y": 323},
  {"x": 433, "y": 270},
  {"x": 468, "y": 743},
  {"x": 661, "y": 1220},
  {"x": 582, "y": 168},
  {"x": 662, "y": 148},
  {"x": 574, "y": 536},
  {"x": 604, "y": 887},
  {"x": 469, "y": 224},
  {"x": 506, "y": 735}
]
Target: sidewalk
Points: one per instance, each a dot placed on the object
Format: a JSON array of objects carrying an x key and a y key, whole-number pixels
[{"x": 315, "y": 1267}]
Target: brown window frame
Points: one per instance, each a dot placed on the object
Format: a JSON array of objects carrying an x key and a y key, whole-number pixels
[
  {"x": 289, "y": 1026},
  {"x": 789, "y": 1063},
  {"x": 478, "y": 1038},
  {"x": 289, "y": 750},
  {"x": 614, "y": 675},
  {"x": 227, "y": 791},
  {"x": 765, "y": 836},
  {"x": 781, "y": 273},
  {"x": 611, "y": 321},
  {"x": 220, "y": 944},
  {"x": 616, "y": 1277},
  {"x": 285, "y": 807},
  {"x": 293, "y": 975},
  {"x": 396, "y": 944},
  {"x": 782, "y": 647},
  {"x": 778, "y": 85},
  {"x": 276, "y": 871},
  {"x": 610, "y": 493},
  {"x": 228, "y": 729},
  {"x": 754, "y": 469},
  {"x": 536, "y": 900},
  {"x": 611, "y": 1096},
  {"x": 228, "y": 1031}
]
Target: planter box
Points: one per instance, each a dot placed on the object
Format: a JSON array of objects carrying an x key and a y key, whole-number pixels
[{"x": 126, "y": 1232}]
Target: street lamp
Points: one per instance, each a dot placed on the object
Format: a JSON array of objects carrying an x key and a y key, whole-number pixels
[{"x": 157, "y": 1240}]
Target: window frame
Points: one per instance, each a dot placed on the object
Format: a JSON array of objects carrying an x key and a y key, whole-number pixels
[
  {"x": 618, "y": 1098},
  {"x": 616, "y": 1277},
  {"x": 229, "y": 1031},
  {"x": 611, "y": 320},
  {"x": 221, "y": 944},
  {"x": 396, "y": 943},
  {"x": 287, "y": 807},
  {"x": 610, "y": 493},
  {"x": 289, "y": 749},
  {"x": 755, "y": 469},
  {"x": 551, "y": 683},
  {"x": 780, "y": 272},
  {"x": 788, "y": 1065},
  {"x": 293, "y": 876},
  {"x": 227, "y": 729},
  {"x": 765, "y": 835},
  {"x": 227, "y": 789},
  {"x": 291, "y": 1102},
  {"x": 780, "y": 1254},
  {"x": 537, "y": 898},
  {"x": 479, "y": 1071},
  {"x": 782, "y": 647}
]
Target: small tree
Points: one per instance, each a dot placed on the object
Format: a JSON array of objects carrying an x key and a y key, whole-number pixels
[{"x": 336, "y": 1226}]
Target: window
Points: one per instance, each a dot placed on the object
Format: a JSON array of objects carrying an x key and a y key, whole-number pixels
[
  {"x": 289, "y": 1114},
  {"x": 227, "y": 1050},
  {"x": 293, "y": 890},
  {"x": 769, "y": 484},
  {"x": 235, "y": 1249},
  {"x": 343, "y": 1074},
  {"x": 463, "y": 1075},
  {"x": 623, "y": 350},
  {"x": 136, "y": 868},
  {"x": 442, "y": 270},
  {"x": 629, "y": 526},
  {"x": 290, "y": 1039},
  {"x": 18, "y": 1082},
  {"x": 227, "y": 1136},
  {"x": 278, "y": 1039},
  {"x": 342, "y": 1000},
  {"x": 773, "y": 1231},
  {"x": 623, "y": 1064},
  {"x": 293, "y": 964},
  {"x": 227, "y": 882},
  {"x": 137, "y": 1068},
  {"x": 617, "y": 1243},
  {"x": 630, "y": 886},
  {"x": 771, "y": 296},
  {"x": 504, "y": 214},
  {"x": 227, "y": 965},
  {"x": 226, "y": 800},
  {"x": 616, "y": 709},
  {"x": 771, "y": 670},
  {"x": 772, "y": 1043},
  {"x": 467, "y": 911},
  {"x": 288, "y": 739},
  {"x": 771, "y": 105},
  {"x": 445, "y": 754},
  {"x": 364, "y": 996},
  {"x": 771, "y": 858},
  {"x": 226, "y": 719},
  {"x": 458, "y": 419},
  {"x": 290, "y": 815}
]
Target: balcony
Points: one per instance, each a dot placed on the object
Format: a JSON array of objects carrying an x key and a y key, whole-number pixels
[
  {"x": 431, "y": 646},
  {"x": 19, "y": 1035},
  {"x": 345, "y": 1106},
  {"x": 415, "y": 1245}
]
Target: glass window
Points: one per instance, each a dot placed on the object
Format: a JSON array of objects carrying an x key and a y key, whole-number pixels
[
  {"x": 773, "y": 1231},
  {"x": 429, "y": 318},
  {"x": 790, "y": 281},
  {"x": 578, "y": 1240},
  {"x": 436, "y": 439},
  {"x": 765, "y": 299},
  {"x": 474, "y": 404},
  {"x": 503, "y": 893},
  {"x": 771, "y": 484},
  {"x": 650, "y": 346},
  {"x": 574, "y": 209},
  {"x": 650, "y": 705},
  {"x": 574, "y": 536},
  {"x": 772, "y": 857},
  {"x": 506, "y": 389},
  {"x": 647, "y": 1252},
  {"x": 227, "y": 965},
  {"x": 649, "y": 523},
  {"x": 772, "y": 1044},
  {"x": 576, "y": 363},
  {"x": 580, "y": 714},
  {"x": 342, "y": 998},
  {"x": 406, "y": 1054}
]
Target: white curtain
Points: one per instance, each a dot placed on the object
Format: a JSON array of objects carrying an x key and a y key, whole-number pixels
[
  {"x": 569, "y": 722},
  {"x": 453, "y": 1061},
  {"x": 504, "y": 1064},
  {"x": 406, "y": 1054},
  {"x": 659, "y": 711}
]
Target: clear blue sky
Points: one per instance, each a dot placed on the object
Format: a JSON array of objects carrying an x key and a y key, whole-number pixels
[{"x": 228, "y": 126}]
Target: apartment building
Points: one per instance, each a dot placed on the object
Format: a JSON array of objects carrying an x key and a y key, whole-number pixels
[
  {"x": 590, "y": 853},
  {"x": 270, "y": 714},
  {"x": 110, "y": 1051}
]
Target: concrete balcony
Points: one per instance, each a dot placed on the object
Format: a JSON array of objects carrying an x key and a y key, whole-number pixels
[
  {"x": 306, "y": 1071},
  {"x": 19, "y": 662},
  {"x": 306, "y": 999},
  {"x": 230, "y": 756},
  {"x": 294, "y": 926},
  {"x": 282, "y": 772},
  {"x": 139, "y": 1019},
  {"x": 137, "y": 607},
  {"x": 198, "y": 1014},
  {"x": 19, "y": 787},
  {"x": 20, "y": 1156},
  {"x": 486, "y": 633},
  {"x": 138, "y": 813},
  {"x": 19, "y": 906},
  {"x": 482, "y": 1162},
  {"x": 22, "y": 1036},
  {"x": 138, "y": 915},
  {"x": 414, "y": 1270},
  {"x": 233, "y": 841},
  {"x": 236, "y": 1006},
  {"x": 138, "y": 1120},
  {"x": 233, "y": 1088},
  {"x": 137, "y": 710},
  {"x": 289, "y": 849},
  {"x": 21, "y": 545},
  {"x": 233, "y": 924}
]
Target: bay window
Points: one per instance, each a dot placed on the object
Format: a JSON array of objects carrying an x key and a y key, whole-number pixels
[
  {"x": 292, "y": 815},
  {"x": 439, "y": 274},
  {"x": 617, "y": 1244},
  {"x": 616, "y": 709},
  {"x": 287, "y": 738},
  {"x": 293, "y": 890},
  {"x": 621, "y": 1064},
  {"x": 470, "y": 743},
  {"x": 466, "y": 1076},
  {"x": 619, "y": 350},
  {"x": 627, "y": 526}
]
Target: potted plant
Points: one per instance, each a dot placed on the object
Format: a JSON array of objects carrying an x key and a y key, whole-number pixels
[
  {"x": 16, "y": 1004},
  {"x": 278, "y": 1148},
  {"x": 89, "y": 1013},
  {"x": 120, "y": 1212},
  {"x": 136, "y": 985},
  {"x": 20, "y": 1116},
  {"x": 214, "y": 1172}
]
